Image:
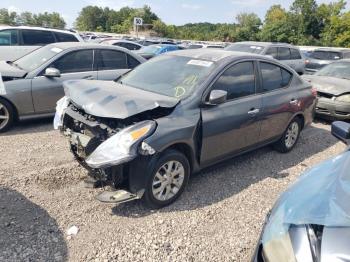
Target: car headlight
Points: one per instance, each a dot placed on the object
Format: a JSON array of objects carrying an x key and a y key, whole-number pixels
[
  {"x": 344, "y": 98},
  {"x": 122, "y": 147},
  {"x": 61, "y": 106}
]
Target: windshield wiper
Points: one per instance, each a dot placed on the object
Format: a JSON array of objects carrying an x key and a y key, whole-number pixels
[{"x": 14, "y": 64}]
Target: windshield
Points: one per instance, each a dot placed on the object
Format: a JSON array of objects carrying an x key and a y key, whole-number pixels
[
  {"x": 173, "y": 76},
  {"x": 339, "y": 70},
  {"x": 256, "y": 49},
  {"x": 151, "y": 49},
  {"x": 326, "y": 55},
  {"x": 37, "y": 58}
]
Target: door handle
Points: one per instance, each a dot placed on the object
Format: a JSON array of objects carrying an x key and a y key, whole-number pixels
[
  {"x": 88, "y": 78},
  {"x": 253, "y": 112},
  {"x": 294, "y": 102}
]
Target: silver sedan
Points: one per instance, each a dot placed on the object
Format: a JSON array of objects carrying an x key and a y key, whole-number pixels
[{"x": 31, "y": 85}]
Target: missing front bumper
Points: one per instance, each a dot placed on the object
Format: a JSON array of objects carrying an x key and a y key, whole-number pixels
[{"x": 119, "y": 196}]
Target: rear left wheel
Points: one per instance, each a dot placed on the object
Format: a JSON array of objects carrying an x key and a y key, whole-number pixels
[
  {"x": 6, "y": 115},
  {"x": 167, "y": 179},
  {"x": 290, "y": 137}
]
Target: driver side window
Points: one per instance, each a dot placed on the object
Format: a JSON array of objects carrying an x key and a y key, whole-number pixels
[
  {"x": 238, "y": 81},
  {"x": 74, "y": 62}
]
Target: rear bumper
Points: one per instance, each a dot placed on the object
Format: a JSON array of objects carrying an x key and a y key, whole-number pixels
[{"x": 332, "y": 109}]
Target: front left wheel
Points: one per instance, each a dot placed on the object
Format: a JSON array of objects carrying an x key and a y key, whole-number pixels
[{"x": 167, "y": 179}]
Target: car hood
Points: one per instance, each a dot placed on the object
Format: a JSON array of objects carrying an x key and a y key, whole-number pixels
[
  {"x": 11, "y": 71},
  {"x": 330, "y": 85},
  {"x": 112, "y": 100},
  {"x": 320, "y": 197}
]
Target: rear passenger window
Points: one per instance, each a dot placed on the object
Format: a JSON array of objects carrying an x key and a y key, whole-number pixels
[
  {"x": 37, "y": 37},
  {"x": 283, "y": 53},
  {"x": 238, "y": 81},
  {"x": 294, "y": 54},
  {"x": 274, "y": 77},
  {"x": 62, "y": 37},
  {"x": 132, "y": 47},
  {"x": 8, "y": 37},
  {"x": 272, "y": 51},
  {"x": 74, "y": 62},
  {"x": 132, "y": 62},
  {"x": 110, "y": 59}
]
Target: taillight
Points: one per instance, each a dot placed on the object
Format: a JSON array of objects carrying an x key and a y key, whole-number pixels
[
  {"x": 314, "y": 91},
  {"x": 307, "y": 61}
]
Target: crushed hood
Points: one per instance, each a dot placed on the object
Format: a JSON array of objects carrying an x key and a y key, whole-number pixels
[
  {"x": 330, "y": 85},
  {"x": 11, "y": 71},
  {"x": 112, "y": 100}
]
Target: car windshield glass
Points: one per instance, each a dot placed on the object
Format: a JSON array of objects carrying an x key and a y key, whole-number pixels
[
  {"x": 173, "y": 76},
  {"x": 37, "y": 58},
  {"x": 151, "y": 49},
  {"x": 338, "y": 69},
  {"x": 326, "y": 55},
  {"x": 245, "y": 48}
]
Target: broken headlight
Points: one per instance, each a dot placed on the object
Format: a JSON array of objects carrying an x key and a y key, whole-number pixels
[
  {"x": 122, "y": 147},
  {"x": 344, "y": 98}
]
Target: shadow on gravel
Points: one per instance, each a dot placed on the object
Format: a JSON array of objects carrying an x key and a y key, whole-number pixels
[
  {"x": 27, "y": 232},
  {"x": 30, "y": 126},
  {"x": 231, "y": 177}
]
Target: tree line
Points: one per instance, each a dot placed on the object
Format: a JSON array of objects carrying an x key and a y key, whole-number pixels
[
  {"x": 304, "y": 23},
  {"x": 46, "y": 19}
]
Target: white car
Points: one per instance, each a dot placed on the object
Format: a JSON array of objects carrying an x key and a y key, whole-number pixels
[{"x": 17, "y": 41}]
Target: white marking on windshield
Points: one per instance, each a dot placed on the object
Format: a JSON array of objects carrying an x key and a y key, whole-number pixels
[{"x": 200, "y": 63}]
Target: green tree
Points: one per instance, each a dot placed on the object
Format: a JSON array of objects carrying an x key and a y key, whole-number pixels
[
  {"x": 7, "y": 18},
  {"x": 248, "y": 27}
]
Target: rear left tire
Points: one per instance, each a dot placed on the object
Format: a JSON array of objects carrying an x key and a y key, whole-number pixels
[
  {"x": 7, "y": 115},
  {"x": 290, "y": 137}
]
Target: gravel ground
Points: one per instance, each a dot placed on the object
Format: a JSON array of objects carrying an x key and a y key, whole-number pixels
[{"x": 218, "y": 218}]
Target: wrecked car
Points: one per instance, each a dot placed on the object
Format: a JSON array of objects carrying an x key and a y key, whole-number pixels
[
  {"x": 177, "y": 114},
  {"x": 311, "y": 220},
  {"x": 333, "y": 90},
  {"x": 31, "y": 85}
]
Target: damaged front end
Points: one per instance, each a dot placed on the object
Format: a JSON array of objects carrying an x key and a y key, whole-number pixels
[{"x": 107, "y": 149}]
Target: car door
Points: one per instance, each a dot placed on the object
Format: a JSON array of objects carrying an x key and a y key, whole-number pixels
[
  {"x": 277, "y": 100},
  {"x": 297, "y": 60},
  {"x": 111, "y": 64},
  {"x": 10, "y": 48},
  {"x": 33, "y": 39},
  {"x": 234, "y": 125},
  {"x": 46, "y": 91},
  {"x": 284, "y": 57}
]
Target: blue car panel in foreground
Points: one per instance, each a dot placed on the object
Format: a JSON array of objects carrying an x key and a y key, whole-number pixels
[{"x": 311, "y": 220}]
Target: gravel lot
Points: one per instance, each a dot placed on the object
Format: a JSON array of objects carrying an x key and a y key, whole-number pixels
[{"x": 217, "y": 219}]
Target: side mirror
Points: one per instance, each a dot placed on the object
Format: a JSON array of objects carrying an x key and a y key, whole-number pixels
[
  {"x": 52, "y": 72},
  {"x": 341, "y": 130},
  {"x": 217, "y": 97}
]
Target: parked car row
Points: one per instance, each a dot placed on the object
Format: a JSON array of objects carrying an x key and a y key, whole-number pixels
[{"x": 144, "y": 127}]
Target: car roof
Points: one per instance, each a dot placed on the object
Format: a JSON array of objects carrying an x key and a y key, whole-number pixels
[
  {"x": 37, "y": 28},
  {"x": 120, "y": 41},
  {"x": 214, "y": 55},
  {"x": 332, "y": 49},
  {"x": 265, "y": 44},
  {"x": 82, "y": 45}
]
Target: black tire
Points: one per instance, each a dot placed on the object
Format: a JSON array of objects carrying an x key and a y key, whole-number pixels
[
  {"x": 6, "y": 110},
  {"x": 169, "y": 155},
  {"x": 282, "y": 145}
]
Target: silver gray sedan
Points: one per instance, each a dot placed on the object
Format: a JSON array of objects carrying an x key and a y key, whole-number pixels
[{"x": 31, "y": 85}]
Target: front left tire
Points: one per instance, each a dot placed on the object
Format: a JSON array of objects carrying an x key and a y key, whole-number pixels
[{"x": 167, "y": 179}]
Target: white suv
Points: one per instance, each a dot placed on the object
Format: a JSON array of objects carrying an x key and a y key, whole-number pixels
[{"x": 17, "y": 41}]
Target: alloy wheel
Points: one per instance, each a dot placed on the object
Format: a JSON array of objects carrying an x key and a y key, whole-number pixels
[
  {"x": 168, "y": 180},
  {"x": 4, "y": 116},
  {"x": 292, "y": 135}
]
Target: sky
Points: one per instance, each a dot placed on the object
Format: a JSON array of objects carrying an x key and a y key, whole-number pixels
[{"x": 176, "y": 12}]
